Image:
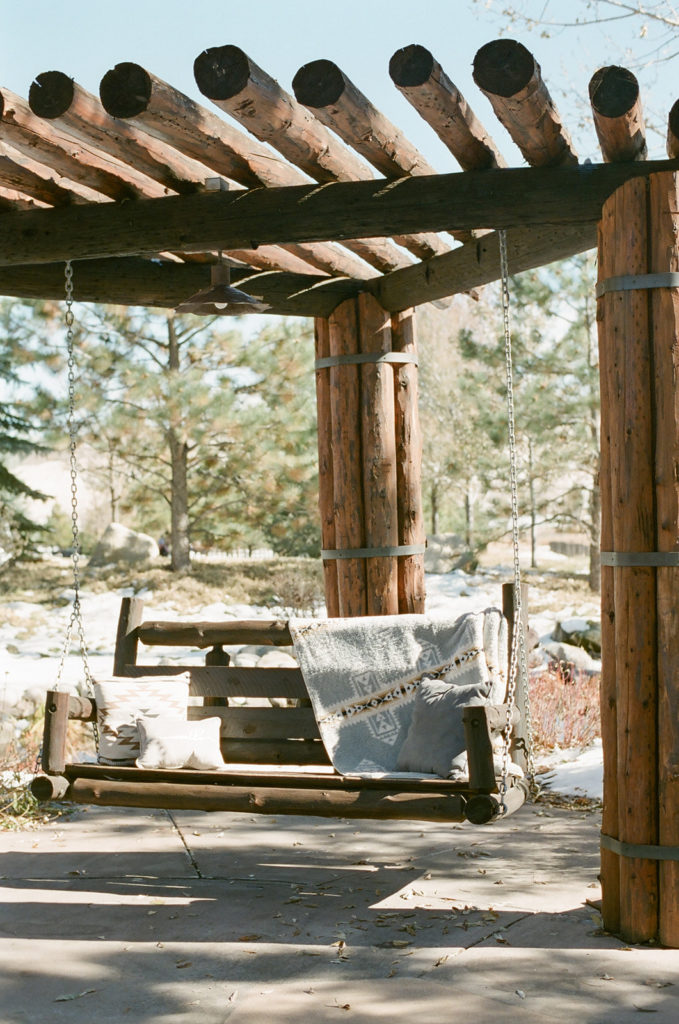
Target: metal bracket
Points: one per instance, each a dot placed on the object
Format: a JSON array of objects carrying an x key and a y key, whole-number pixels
[
  {"x": 639, "y": 850},
  {"x": 627, "y": 559},
  {"x": 385, "y": 552},
  {"x": 366, "y": 357},
  {"x": 637, "y": 282}
]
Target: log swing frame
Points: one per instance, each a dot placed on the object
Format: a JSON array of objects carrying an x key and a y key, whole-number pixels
[{"x": 324, "y": 250}]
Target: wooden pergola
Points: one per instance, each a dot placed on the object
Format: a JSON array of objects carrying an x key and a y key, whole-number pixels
[{"x": 330, "y": 212}]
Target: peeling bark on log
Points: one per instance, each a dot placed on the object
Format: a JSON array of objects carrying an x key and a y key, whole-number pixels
[
  {"x": 510, "y": 77},
  {"x": 228, "y": 77},
  {"x": 424, "y": 83}
]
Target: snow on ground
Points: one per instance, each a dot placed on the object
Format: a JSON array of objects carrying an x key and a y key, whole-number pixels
[{"x": 32, "y": 637}]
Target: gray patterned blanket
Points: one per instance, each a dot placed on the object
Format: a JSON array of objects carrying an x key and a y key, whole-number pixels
[{"x": 363, "y": 676}]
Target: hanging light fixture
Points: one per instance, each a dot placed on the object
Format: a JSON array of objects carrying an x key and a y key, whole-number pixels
[{"x": 221, "y": 299}]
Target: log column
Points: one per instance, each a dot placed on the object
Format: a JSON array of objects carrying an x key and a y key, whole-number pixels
[
  {"x": 372, "y": 528},
  {"x": 639, "y": 347}
]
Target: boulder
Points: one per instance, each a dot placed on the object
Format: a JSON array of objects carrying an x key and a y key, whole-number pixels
[
  {"x": 585, "y": 633},
  {"x": 571, "y": 659},
  {"x": 445, "y": 552},
  {"x": 118, "y": 544}
]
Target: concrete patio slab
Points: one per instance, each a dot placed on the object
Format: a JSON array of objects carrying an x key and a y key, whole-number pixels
[{"x": 181, "y": 917}]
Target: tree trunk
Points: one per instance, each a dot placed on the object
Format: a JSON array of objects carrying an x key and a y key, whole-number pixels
[
  {"x": 533, "y": 511},
  {"x": 179, "y": 497},
  {"x": 469, "y": 518},
  {"x": 434, "y": 498}
]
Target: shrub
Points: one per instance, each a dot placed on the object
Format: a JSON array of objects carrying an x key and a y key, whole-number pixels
[{"x": 564, "y": 709}]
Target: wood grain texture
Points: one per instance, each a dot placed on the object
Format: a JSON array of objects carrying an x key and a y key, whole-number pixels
[
  {"x": 618, "y": 117},
  {"x": 378, "y": 447},
  {"x": 345, "y": 410},
  {"x": 325, "y": 467},
  {"x": 411, "y": 581},
  {"x": 664, "y": 257}
]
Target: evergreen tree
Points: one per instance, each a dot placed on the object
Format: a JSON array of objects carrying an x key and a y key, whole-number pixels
[
  {"x": 203, "y": 428},
  {"x": 556, "y": 399},
  {"x": 26, "y": 339}
]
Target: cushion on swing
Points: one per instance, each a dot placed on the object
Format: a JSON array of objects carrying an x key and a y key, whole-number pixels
[
  {"x": 435, "y": 741},
  {"x": 170, "y": 743},
  {"x": 120, "y": 702}
]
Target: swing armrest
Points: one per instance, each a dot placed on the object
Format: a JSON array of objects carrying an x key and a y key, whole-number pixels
[
  {"x": 59, "y": 708},
  {"x": 481, "y": 725}
]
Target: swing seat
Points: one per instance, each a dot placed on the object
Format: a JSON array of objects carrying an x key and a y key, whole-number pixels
[{"x": 276, "y": 761}]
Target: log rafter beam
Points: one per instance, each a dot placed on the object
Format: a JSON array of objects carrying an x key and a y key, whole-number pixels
[{"x": 513, "y": 198}]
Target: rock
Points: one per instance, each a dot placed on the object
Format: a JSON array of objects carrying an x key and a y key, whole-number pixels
[
  {"x": 585, "y": 633},
  {"x": 277, "y": 659},
  {"x": 571, "y": 659},
  {"x": 445, "y": 552},
  {"x": 118, "y": 544}
]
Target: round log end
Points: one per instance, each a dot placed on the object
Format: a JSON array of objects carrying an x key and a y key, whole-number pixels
[
  {"x": 504, "y": 67},
  {"x": 125, "y": 90},
  {"x": 482, "y": 808},
  {"x": 411, "y": 66},
  {"x": 51, "y": 94},
  {"x": 221, "y": 72},
  {"x": 49, "y": 787},
  {"x": 613, "y": 91},
  {"x": 673, "y": 132},
  {"x": 318, "y": 84}
]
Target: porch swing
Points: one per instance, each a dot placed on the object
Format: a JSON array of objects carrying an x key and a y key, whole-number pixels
[{"x": 275, "y": 761}]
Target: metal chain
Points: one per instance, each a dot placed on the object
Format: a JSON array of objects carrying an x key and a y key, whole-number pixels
[
  {"x": 518, "y": 667},
  {"x": 75, "y": 620}
]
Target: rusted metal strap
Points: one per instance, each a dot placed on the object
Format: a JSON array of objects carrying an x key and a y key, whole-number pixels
[
  {"x": 639, "y": 851},
  {"x": 637, "y": 282},
  {"x": 622, "y": 559},
  {"x": 366, "y": 357},
  {"x": 384, "y": 552}
]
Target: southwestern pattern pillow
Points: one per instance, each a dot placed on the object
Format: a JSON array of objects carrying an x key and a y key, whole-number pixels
[{"x": 120, "y": 702}]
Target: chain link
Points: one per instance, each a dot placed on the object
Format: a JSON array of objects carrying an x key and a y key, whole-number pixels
[
  {"x": 76, "y": 620},
  {"x": 518, "y": 665}
]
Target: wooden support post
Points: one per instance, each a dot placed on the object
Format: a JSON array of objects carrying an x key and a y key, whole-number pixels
[
  {"x": 347, "y": 460},
  {"x": 610, "y": 862},
  {"x": 639, "y": 337},
  {"x": 325, "y": 472},
  {"x": 54, "y": 733},
  {"x": 664, "y": 257},
  {"x": 378, "y": 442},
  {"x": 411, "y": 589},
  {"x": 131, "y": 609},
  {"x": 369, "y": 460}
]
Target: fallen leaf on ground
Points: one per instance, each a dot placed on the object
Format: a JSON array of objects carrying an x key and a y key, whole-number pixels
[
  {"x": 248, "y": 938},
  {"x": 76, "y": 995},
  {"x": 183, "y": 963}
]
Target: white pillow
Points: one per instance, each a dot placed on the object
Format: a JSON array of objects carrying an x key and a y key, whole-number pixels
[
  {"x": 121, "y": 701},
  {"x": 169, "y": 743}
]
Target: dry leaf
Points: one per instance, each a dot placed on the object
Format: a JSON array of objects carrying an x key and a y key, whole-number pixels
[
  {"x": 520, "y": 993},
  {"x": 77, "y": 995},
  {"x": 248, "y": 938},
  {"x": 183, "y": 963}
]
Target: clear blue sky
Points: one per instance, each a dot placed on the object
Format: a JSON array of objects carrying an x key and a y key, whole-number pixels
[{"x": 84, "y": 38}]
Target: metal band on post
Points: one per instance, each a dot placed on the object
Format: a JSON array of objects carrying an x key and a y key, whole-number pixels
[
  {"x": 356, "y": 358},
  {"x": 385, "y": 552},
  {"x": 642, "y": 559},
  {"x": 639, "y": 850},
  {"x": 637, "y": 282}
]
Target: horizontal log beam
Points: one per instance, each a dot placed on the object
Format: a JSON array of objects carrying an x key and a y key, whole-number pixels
[
  {"x": 327, "y": 803},
  {"x": 478, "y": 263},
  {"x": 205, "y": 634},
  {"x": 507, "y": 198},
  {"x": 153, "y": 283}
]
